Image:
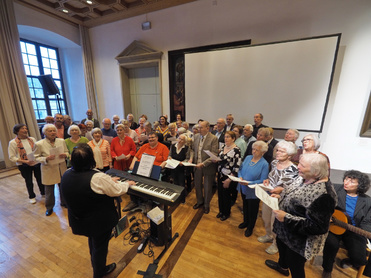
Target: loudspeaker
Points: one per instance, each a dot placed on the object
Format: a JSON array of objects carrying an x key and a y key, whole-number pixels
[{"x": 48, "y": 84}]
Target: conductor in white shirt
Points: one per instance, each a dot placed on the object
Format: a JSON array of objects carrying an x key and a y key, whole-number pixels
[{"x": 89, "y": 196}]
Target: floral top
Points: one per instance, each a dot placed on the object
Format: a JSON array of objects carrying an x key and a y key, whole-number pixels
[
  {"x": 230, "y": 162},
  {"x": 309, "y": 208},
  {"x": 282, "y": 177}
]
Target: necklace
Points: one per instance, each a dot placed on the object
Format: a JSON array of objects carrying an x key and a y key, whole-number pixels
[{"x": 252, "y": 163}]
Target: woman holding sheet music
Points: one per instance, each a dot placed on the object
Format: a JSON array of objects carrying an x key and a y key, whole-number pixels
[
  {"x": 229, "y": 164},
  {"x": 123, "y": 149},
  {"x": 255, "y": 170},
  {"x": 303, "y": 218},
  {"x": 51, "y": 152},
  {"x": 283, "y": 172},
  {"x": 20, "y": 151},
  {"x": 181, "y": 152}
]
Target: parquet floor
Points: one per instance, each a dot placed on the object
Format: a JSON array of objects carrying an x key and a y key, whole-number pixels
[{"x": 33, "y": 245}]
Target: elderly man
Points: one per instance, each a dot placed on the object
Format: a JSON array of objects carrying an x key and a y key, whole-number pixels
[
  {"x": 292, "y": 135},
  {"x": 230, "y": 124},
  {"x": 219, "y": 131},
  {"x": 108, "y": 132},
  {"x": 205, "y": 170},
  {"x": 153, "y": 147},
  {"x": 89, "y": 114},
  {"x": 48, "y": 120},
  {"x": 258, "y": 118},
  {"x": 61, "y": 129},
  {"x": 263, "y": 135},
  {"x": 247, "y": 134},
  {"x": 67, "y": 121},
  {"x": 272, "y": 141}
]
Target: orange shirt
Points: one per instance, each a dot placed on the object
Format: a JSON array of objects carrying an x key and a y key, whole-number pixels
[{"x": 161, "y": 152}]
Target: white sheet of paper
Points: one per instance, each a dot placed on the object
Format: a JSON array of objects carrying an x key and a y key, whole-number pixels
[
  {"x": 146, "y": 165},
  {"x": 188, "y": 164},
  {"x": 121, "y": 156},
  {"x": 31, "y": 156},
  {"x": 233, "y": 178},
  {"x": 172, "y": 163},
  {"x": 266, "y": 199},
  {"x": 266, "y": 188},
  {"x": 212, "y": 156},
  {"x": 56, "y": 151}
]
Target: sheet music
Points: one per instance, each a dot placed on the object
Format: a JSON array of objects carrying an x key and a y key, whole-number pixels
[
  {"x": 57, "y": 151},
  {"x": 146, "y": 165},
  {"x": 266, "y": 188},
  {"x": 120, "y": 157},
  {"x": 172, "y": 163},
  {"x": 233, "y": 178},
  {"x": 212, "y": 156},
  {"x": 266, "y": 199},
  {"x": 31, "y": 156},
  {"x": 188, "y": 164}
]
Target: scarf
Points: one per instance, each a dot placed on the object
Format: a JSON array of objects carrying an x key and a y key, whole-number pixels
[
  {"x": 21, "y": 150},
  {"x": 98, "y": 153}
]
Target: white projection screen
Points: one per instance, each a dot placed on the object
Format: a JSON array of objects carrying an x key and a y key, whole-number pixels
[{"x": 288, "y": 82}]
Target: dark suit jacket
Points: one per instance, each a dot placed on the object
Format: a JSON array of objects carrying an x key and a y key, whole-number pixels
[
  {"x": 274, "y": 142},
  {"x": 232, "y": 126},
  {"x": 211, "y": 144},
  {"x": 221, "y": 137},
  {"x": 362, "y": 213}
]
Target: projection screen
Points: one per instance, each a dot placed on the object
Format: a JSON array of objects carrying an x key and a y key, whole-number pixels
[{"x": 288, "y": 82}]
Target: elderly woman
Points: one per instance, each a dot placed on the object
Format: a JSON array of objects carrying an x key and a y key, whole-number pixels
[
  {"x": 195, "y": 129},
  {"x": 143, "y": 138},
  {"x": 83, "y": 129},
  {"x": 283, "y": 172},
  {"x": 76, "y": 138},
  {"x": 89, "y": 127},
  {"x": 311, "y": 144},
  {"x": 181, "y": 152},
  {"x": 171, "y": 136},
  {"x": 101, "y": 149},
  {"x": 229, "y": 164},
  {"x": 51, "y": 152},
  {"x": 163, "y": 128},
  {"x": 129, "y": 132},
  {"x": 238, "y": 130},
  {"x": 130, "y": 119},
  {"x": 21, "y": 150},
  {"x": 254, "y": 169},
  {"x": 115, "y": 121},
  {"x": 352, "y": 199},
  {"x": 303, "y": 218},
  {"x": 123, "y": 149},
  {"x": 140, "y": 128}
]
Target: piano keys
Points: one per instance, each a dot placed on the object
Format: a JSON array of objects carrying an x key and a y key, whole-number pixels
[{"x": 159, "y": 191}]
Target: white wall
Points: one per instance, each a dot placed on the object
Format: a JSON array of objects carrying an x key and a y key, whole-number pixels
[{"x": 203, "y": 23}]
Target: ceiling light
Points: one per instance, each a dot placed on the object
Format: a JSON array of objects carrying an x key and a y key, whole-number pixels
[
  {"x": 89, "y": 2},
  {"x": 65, "y": 11}
]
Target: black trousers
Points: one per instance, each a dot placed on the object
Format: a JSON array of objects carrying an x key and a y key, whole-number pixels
[
  {"x": 178, "y": 176},
  {"x": 26, "y": 172},
  {"x": 354, "y": 243},
  {"x": 98, "y": 246},
  {"x": 225, "y": 195},
  {"x": 250, "y": 211},
  {"x": 290, "y": 260}
]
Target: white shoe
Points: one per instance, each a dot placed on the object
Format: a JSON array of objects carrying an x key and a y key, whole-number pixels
[
  {"x": 271, "y": 250},
  {"x": 33, "y": 201},
  {"x": 265, "y": 239}
]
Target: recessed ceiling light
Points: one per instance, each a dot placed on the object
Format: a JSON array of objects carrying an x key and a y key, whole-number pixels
[
  {"x": 89, "y": 2},
  {"x": 65, "y": 11}
]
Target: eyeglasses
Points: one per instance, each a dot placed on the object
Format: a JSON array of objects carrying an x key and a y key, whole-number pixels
[
  {"x": 352, "y": 181},
  {"x": 307, "y": 139}
]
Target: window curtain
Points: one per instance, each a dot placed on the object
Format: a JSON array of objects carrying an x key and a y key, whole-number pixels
[
  {"x": 15, "y": 100},
  {"x": 91, "y": 92}
]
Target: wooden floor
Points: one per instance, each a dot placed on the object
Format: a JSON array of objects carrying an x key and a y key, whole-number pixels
[{"x": 33, "y": 245}]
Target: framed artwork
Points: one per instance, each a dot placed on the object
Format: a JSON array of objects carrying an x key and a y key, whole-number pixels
[{"x": 366, "y": 126}]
